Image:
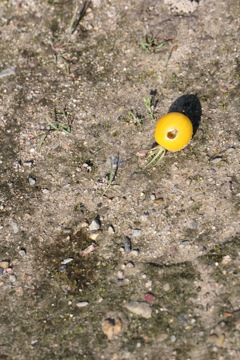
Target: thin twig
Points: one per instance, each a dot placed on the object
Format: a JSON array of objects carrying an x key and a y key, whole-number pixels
[{"x": 82, "y": 13}]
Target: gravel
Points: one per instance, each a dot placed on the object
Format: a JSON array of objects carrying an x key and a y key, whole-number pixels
[
  {"x": 142, "y": 309},
  {"x": 95, "y": 224}
]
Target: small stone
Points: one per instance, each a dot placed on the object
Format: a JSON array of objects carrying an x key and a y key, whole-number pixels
[
  {"x": 88, "y": 250},
  {"x": 153, "y": 197},
  {"x": 148, "y": 297},
  {"x": 95, "y": 224},
  {"x": 162, "y": 337},
  {"x": 173, "y": 338},
  {"x": 125, "y": 282},
  {"x": 66, "y": 261},
  {"x": 4, "y": 264},
  {"x": 62, "y": 268},
  {"x": 158, "y": 201},
  {"x": 45, "y": 191},
  {"x": 135, "y": 252},
  {"x": 144, "y": 217},
  {"x": 212, "y": 338},
  {"x": 19, "y": 291},
  {"x": 94, "y": 235},
  {"x": 226, "y": 259},
  {"x": 12, "y": 278},
  {"x": 237, "y": 324},
  {"x": 193, "y": 225},
  {"x": 120, "y": 274},
  {"x": 67, "y": 231},
  {"x": 9, "y": 283},
  {"x": 31, "y": 181},
  {"x": 216, "y": 160},
  {"x": 112, "y": 327},
  {"x": 22, "y": 252},
  {"x": 166, "y": 287},
  {"x": 148, "y": 284},
  {"x": 127, "y": 245},
  {"x": 136, "y": 232},
  {"x": 1, "y": 271},
  {"x": 130, "y": 265},
  {"x": 111, "y": 229},
  {"x": 9, "y": 270},
  {"x": 82, "y": 304},
  {"x": 230, "y": 150},
  {"x": 221, "y": 340},
  {"x": 139, "y": 308},
  {"x": 185, "y": 243},
  {"x": 83, "y": 224},
  {"x": 14, "y": 226}
]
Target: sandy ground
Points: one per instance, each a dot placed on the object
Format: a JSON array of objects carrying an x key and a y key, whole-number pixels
[{"x": 101, "y": 256}]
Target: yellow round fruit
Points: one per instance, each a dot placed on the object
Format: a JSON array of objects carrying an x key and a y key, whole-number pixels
[{"x": 173, "y": 131}]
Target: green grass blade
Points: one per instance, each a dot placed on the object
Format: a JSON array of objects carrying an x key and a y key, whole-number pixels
[{"x": 43, "y": 138}]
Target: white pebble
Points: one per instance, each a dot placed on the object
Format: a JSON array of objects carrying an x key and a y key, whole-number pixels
[
  {"x": 31, "y": 181},
  {"x": 66, "y": 261},
  {"x": 95, "y": 224},
  {"x": 82, "y": 304},
  {"x": 139, "y": 308},
  {"x": 166, "y": 287},
  {"x": 135, "y": 252}
]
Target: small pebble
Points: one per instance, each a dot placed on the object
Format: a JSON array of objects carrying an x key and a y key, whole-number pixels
[
  {"x": 95, "y": 224},
  {"x": 229, "y": 150},
  {"x": 162, "y": 337},
  {"x": 12, "y": 278},
  {"x": 120, "y": 274},
  {"x": 9, "y": 270},
  {"x": 111, "y": 229},
  {"x": 127, "y": 245},
  {"x": 185, "y": 243},
  {"x": 82, "y": 304},
  {"x": 9, "y": 283},
  {"x": 112, "y": 327},
  {"x": 173, "y": 338},
  {"x": 1, "y": 271},
  {"x": 31, "y": 181},
  {"x": 67, "y": 231},
  {"x": 45, "y": 191},
  {"x": 22, "y": 252},
  {"x": 19, "y": 291},
  {"x": 158, "y": 201},
  {"x": 62, "y": 268},
  {"x": 148, "y": 297},
  {"x": 166, "y": 287},
  {"x": 216, "y": 340},
  {"x": 216, "y": 160},
  {"x": 139, "y": 308},
  {"x": 4, "y": 264},
  {"x": 193, "y": 225},
  {"x": 66, "y": 261},
  {"x": 226, "y": 259},
  {"x": 136, "y": 232},
  {"x": 221, "y": 340},
  {"x": 153, "y": 197},
  {"x": 148, "y": 284},
  {"x": 14, "y": 226},
  {"x": 130, "y": 265},
  {"x": 135, "y": 252},
  {"x": 94, "y": 235}
]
